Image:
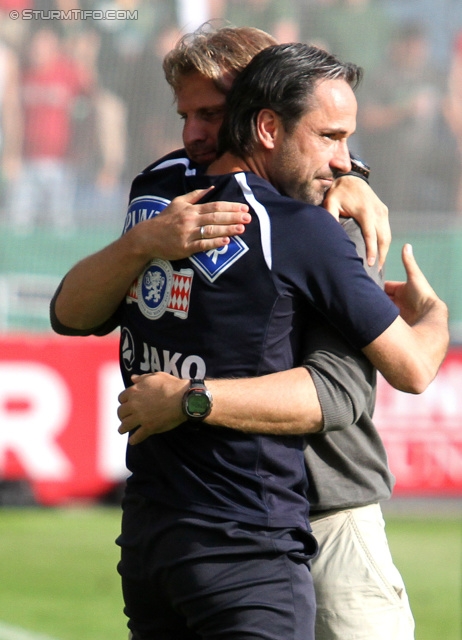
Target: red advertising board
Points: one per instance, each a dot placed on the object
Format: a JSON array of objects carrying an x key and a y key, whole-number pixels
[
  {"x": 58, "y": 422},
  {"x": 423, "y": 434}
]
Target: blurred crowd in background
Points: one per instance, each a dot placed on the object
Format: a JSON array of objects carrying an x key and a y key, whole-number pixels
[{"x": 84, "y": 105}]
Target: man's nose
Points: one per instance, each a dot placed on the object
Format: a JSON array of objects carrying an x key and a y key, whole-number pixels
[
  {"x": 192, "y": 131},
  {"x": 341, "y": 162}
]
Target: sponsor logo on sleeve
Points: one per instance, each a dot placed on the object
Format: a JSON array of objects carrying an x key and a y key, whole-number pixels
[{"x": 143, "y": 208}]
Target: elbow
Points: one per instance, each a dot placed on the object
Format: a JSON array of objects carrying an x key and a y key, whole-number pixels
[
  {"x": 416, "y": 387},
  {"x": 58, "y": 327},
  {"x": 63, "y": 329},
  {"x": 423, "y": 370},
  {"x": 413, "y": 380}
]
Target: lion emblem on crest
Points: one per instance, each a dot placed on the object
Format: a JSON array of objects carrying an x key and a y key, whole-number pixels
[
  {"x": 153, "y": 283},
  {"x": 154, "y": 288}
]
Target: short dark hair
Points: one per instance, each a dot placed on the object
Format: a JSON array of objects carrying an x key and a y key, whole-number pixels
[{"x": 282, "y": 78}]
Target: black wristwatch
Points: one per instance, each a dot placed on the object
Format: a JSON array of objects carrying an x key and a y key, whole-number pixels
[
  {"x": 197, "y": 401},
  {"x": 358, "y": 168}
]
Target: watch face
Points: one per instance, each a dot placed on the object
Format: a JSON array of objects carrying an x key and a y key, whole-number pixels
[{"x": 198, "y": 404}]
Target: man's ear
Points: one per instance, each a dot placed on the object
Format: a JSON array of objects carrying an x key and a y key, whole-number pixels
[{"x": 268, "y": 127}]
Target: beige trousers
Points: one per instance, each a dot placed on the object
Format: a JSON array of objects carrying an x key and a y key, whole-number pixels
[{"x": 360, "y": 593}]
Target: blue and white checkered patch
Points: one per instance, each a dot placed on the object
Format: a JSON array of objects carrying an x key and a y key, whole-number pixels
[{"x": 215, "y": 262}]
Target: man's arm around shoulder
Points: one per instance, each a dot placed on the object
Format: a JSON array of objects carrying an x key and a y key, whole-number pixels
[{"x": 94, "y": 288}]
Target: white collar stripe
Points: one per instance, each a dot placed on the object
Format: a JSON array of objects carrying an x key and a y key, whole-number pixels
[
  {"x": 262, "y": 214},
  {"x": 173, "y": 162}
]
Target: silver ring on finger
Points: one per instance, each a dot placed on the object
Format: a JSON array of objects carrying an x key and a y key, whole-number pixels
[{"x": 202, "y": 233}]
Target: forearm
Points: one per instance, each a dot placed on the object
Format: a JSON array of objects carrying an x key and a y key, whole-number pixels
[
  {"x": 432, "y": 338},
  {"x": 409, "y": 357},
  {"x": 95, "y": 286},
  {"x": 352, "y": 197},
  {"x": 284, "y": 403},
  {"x": 278, "y": 403}
]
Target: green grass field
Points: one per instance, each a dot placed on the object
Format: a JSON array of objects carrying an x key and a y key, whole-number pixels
[{"x": 58, "y": 579}]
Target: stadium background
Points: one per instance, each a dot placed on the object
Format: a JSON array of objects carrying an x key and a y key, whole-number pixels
[
  {"x": 99, "y": 116},
  {"x": 84, "y": 107}
]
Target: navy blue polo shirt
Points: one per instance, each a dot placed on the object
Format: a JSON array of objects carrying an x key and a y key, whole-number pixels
[{"x": 238, "y": 311}]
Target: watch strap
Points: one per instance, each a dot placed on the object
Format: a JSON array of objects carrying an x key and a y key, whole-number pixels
[{"x": 359, "y": 168}]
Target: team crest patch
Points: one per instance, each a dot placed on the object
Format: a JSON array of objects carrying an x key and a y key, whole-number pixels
[
  {"x": 160, "y": 289},
  {"x": 215, "y": 262}
]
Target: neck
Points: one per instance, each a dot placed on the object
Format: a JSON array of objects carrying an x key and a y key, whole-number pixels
[{"x": 228, "y": 163}]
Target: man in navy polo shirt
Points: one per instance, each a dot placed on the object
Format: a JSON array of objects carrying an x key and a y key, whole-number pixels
[
  {"x": 217, "y": 493},
  {"x": 206, "y": 508}
]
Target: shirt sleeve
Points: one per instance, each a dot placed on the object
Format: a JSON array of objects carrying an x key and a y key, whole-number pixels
[
  {"x": 344, "y": 378},
  {"x": 333, "y": 279}
]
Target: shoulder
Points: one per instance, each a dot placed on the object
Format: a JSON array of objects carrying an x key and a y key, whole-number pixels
[
  {"x": 171, "y": 172},
  {"x": 178, "y": 157}
]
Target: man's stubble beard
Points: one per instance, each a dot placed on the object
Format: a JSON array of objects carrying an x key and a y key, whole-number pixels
[{"x": 289, "y": 182}]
